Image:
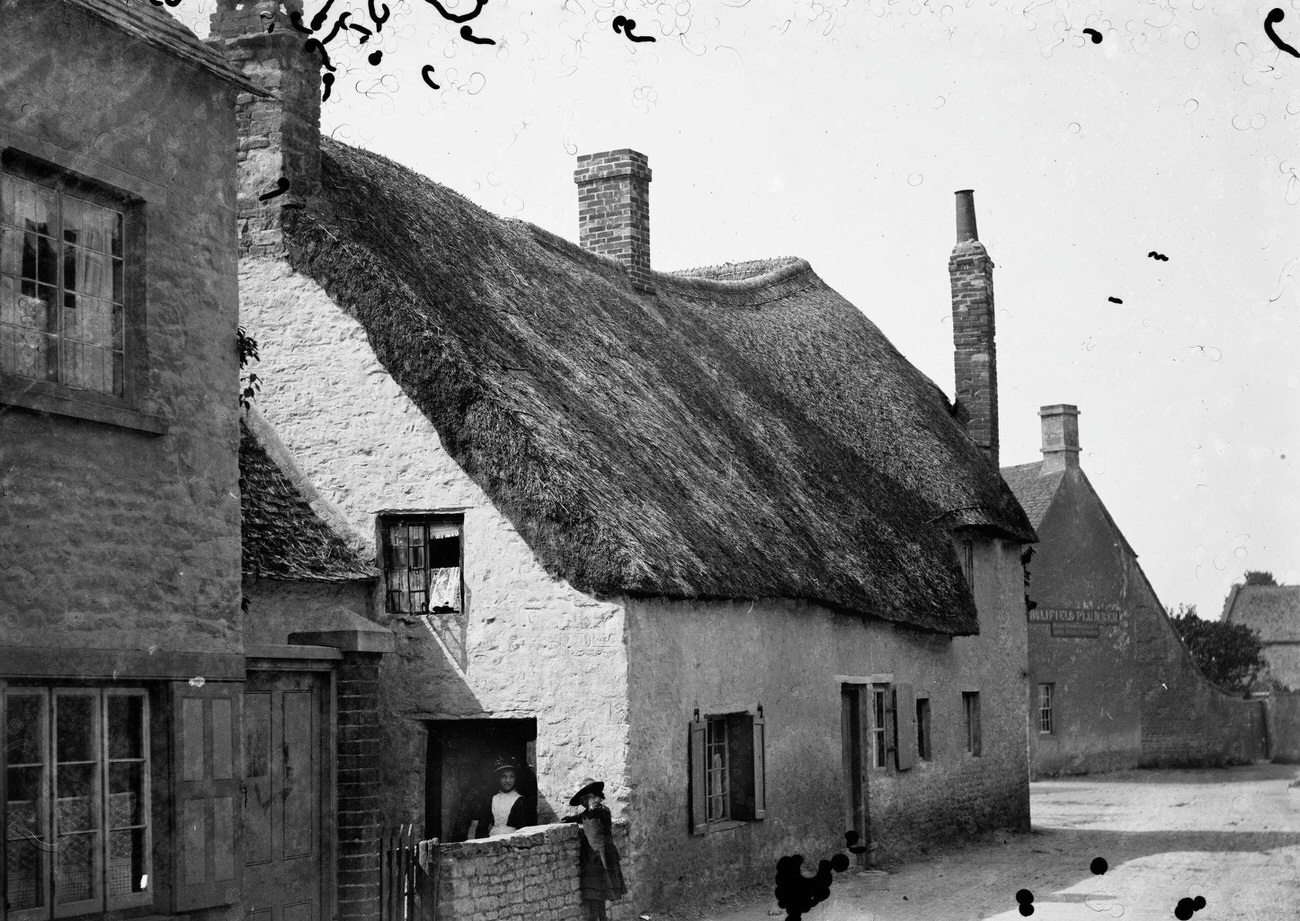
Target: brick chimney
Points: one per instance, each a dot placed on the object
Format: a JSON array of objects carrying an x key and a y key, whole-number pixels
[
  {"x": 974, "y": 352},
  {"x": 279, "y": 136},
  {"x": 1060, "y": 436},
  {"x": 614, "y": 209}
]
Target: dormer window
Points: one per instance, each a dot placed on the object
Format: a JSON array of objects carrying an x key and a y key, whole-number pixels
[
  {"x": 422, "y": 563},
  {"x": 968, "y": 562}
]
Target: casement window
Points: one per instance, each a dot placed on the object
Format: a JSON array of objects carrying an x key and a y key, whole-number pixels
[
  {"x": 422, "y": 564},
  {"x": 1046, "y": 695},
  {"x": 65, "y": 283},
  {"x": 727, "y": 770},
  {"x": 968, "y": 562},
  {"x": 923, "y": 728},
  {"x": 892, "y": 738},
  {"x": 970, "y": 701},
  {"x": 77, "y": 818}
]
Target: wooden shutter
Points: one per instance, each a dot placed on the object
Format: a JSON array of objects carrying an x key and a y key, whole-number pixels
[
  {"x": 760, "y": 769},
  {"x": 207, "y": 774},
  {"x": 891, "y": 724},
  {"x": 905, "y": 726},
  {"x": 698, "y": 794}
]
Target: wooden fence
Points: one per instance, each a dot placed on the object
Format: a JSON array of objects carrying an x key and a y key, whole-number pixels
[{"x": 407, "y": 883}]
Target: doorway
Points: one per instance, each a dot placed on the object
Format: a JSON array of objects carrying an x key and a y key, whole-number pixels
[
  {"x": 458, "y": 772},
  {"x": 854, "y": 737},
  {"x": 286, "y": 765}
]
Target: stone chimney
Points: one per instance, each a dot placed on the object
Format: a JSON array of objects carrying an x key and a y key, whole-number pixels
[
  {"x": 279, "y": 136},
  {"x": 614, "y": 209},
  {"x": 974, "y": 352},
  {"x": 1060, "y": 436}
]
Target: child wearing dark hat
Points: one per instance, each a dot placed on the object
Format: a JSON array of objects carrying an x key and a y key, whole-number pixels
[{"x": 600, "y": 873}]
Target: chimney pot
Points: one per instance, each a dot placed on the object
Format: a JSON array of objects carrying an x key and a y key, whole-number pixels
[
  {"x": 1060, "y": 423},
  {"x": 966, "y": 216}
]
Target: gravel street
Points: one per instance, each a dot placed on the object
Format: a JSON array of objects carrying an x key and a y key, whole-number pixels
[{"x": 1230, "y": 836}]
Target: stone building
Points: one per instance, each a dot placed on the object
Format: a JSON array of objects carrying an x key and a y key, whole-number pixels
[
  {"x": 705, "y": 535},
  {"x": 1273, "y": 612},
  {"x": 1111, "y": 684},
  {"x": 165, "y": 756},
  {"x": 123, "y": 659}
]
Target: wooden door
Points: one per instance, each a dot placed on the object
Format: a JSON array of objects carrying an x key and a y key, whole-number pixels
[{"x": 284, "y": 791}]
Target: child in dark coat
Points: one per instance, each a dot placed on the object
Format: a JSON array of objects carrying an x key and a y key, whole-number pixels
[{"x": 601, "y": 875}]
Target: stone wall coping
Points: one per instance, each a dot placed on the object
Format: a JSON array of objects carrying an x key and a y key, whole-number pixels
[{"x": 532, "y": 836}]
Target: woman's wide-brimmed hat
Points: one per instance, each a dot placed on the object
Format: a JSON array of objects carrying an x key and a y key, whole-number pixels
[
  {"x": 505, "y": 763},
  {"x": 589, "y": 785}
]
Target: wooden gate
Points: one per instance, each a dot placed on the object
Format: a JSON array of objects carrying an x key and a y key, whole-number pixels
[{"x": 408, "y": 870}]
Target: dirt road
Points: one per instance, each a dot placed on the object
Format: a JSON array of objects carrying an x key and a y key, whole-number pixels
[{"x": 1230, "y": 836}]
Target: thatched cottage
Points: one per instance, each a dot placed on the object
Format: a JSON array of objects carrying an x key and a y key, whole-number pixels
[
  {"x": 1112, "y": 685},
  {"x": 704, "y": 535},
  {"x": 1272, "y": 611}
]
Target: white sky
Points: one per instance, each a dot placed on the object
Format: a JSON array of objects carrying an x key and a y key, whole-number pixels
[{"x": 838, "y": 131}]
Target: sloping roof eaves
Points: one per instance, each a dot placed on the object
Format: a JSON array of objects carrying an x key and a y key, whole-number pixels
[
  {"x": 1034, "y": 488},
  {"x": 1272, "y": 611},
  {"x": 283, "y": 537},
  {"x": 154, "y": 25},
  {"x": 684, "y": 445}
]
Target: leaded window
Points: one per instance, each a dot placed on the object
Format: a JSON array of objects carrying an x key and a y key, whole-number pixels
[
  {"x": 77, "y": 818},
  {"x": 62, "y": 285}
]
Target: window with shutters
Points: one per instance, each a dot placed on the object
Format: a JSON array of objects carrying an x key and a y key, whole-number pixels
[
  {"x": 893, "y": 737},
  {"x": 422, "y": 564},
  {"x": 78, "y": 830},
  {"x": 879, "y": 726},
  {"x": 727, "y": 770},
  {"x": 970, "y": 701}
]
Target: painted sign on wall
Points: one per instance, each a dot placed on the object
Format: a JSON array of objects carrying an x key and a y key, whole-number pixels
[{"x": 1075, "y": 622}]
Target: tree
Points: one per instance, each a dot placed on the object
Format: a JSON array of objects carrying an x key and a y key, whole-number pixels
[
  {"x": 1230, "y": 655},
  {"x": 1259, "y": 577}
]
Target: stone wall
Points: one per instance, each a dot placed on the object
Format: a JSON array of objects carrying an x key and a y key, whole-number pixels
[
  {"x": 1284, "y": 727},
  {"x": 527, "y": 646},
  {"x": 529, "y": 875},
  {"x": 792, "y": 659},
  {"x": 1186, "y": 721},
  {"x": 117, "y": 538}
]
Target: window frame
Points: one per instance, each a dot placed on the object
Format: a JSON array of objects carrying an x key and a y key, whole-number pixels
[
  {"x": 58, "y": 396},
  {"x": 1046, "y": 707},
  {"x": 967, "y": 551},
  {"x": 879, "y": 726},
  {"x": 743, "y": 770},
  {"x": 971, "y": 711},
  {"x": 102, "y": 898},
  {"x": 427, "y": 521}
]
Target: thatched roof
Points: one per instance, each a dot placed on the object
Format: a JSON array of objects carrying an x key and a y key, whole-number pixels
[
  {"x": 1035, "y": 487},
  {"x": 745, "y": 433},
  {"x": 283, "y": 537},
  {"x": 1272, "y": 611},
  {"x": 153, "y": 25}
]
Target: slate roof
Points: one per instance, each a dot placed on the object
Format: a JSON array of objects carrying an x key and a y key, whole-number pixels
[
  {"x": 746, "y": 432},
  {"x": 153, "y": 24},
  {"x": 1034, "y": 488},
  {"x": 1272, "y": 611},
  {"x": 283, "y": 537}
]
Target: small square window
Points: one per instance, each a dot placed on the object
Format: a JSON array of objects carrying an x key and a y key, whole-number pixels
[{"x": 422, "y": 564}]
